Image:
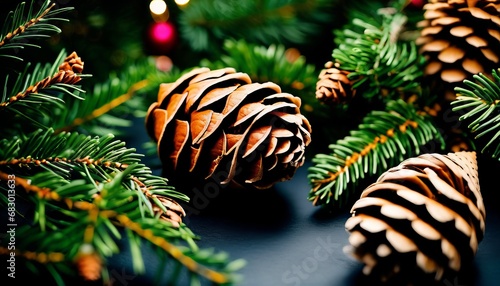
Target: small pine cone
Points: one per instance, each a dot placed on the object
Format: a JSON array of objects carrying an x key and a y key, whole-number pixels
[
  {"x": 422, "y": 219},
  {"x": 174, "y": 213},
  {"x": 333, "y": 86},
  {"x": 218, "y": 124},
  {"x": 89, "y": 263},
  {"x": 460, "y": 38}
]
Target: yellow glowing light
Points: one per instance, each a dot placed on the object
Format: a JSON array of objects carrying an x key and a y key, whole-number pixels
[
  {"x": 158, "y": 7},
  {"x": 181, "y": 2}
]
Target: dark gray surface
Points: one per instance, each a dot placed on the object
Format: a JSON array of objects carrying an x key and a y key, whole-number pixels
[{"x": 287, "y": 241}]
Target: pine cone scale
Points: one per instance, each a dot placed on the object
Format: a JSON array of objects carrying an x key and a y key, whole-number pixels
[
  {"x": 180, "y": 141},
  {"x": 232, "y": 142},
  {"x": 445, "y": 21},
  {"x": 200, "y": 120},
  {"x": 476, "y": 41},
  {"x": 471, "y": 66},
  {"x": 234, "y": 99},
  {"x": 451, "y": 54},
  {"x": 494, "y": 33},
  {"x": 247, "y": 112},
  {"x": 477, "y": 12},
  {"x": 459, "y": 31},
  {"x": 174, "y": 104},
  {"x": 256, "y": 139},
  {"x": 156, "y": 130},
  {"x": 256, "y": 171},
  {"x": 215, "y": 156},
  {"x": 197, "y": 90},
  {"x": 216, "y": 95}
]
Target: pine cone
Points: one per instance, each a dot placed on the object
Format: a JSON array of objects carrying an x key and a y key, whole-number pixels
[
  {"x": 460, "y": 38},
  {"x": 218, "y": 124},
  {"x": 424, "y": 216},
  {"x": 333, "y": 86},
  {"x": 88, "y": 263}
]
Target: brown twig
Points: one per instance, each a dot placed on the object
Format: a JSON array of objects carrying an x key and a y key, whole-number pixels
[
  {"x": 68, "y": 73},
  {"x": 21, "y": 29}
]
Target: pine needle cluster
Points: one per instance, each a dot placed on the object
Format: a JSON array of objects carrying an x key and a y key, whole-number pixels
[{"x": 72, "y": 191}]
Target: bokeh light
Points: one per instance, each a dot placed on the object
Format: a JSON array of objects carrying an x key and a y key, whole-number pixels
[
  {"x": 181, "y": 2},
  {"x": 162, "y": 32},
  {"x": 158, "y": 7}
]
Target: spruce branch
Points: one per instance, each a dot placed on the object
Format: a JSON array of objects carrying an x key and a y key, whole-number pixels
[
  {"x": 383, "y": 139},
  {"x": 379, "y": 63},
  {"x": 35, "y": 95},
  {"x": 72, "y": 153},
  {"x": 68, "y": 73},
  {"x": 480, "y": 100},
  {"x": 108, "y": 105},
  {"x": 105, "y": 108},
  {"x": 21, "y": 26},
  {"x": 84, "y": 199}
]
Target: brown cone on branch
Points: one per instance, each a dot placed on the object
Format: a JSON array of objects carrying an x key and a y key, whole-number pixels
[
  {"x": 422, "y": 218},
  {"x": 333, "y": 85},
  {"x": 459, "y": 38},
  {"x": 218, "y": 124}
]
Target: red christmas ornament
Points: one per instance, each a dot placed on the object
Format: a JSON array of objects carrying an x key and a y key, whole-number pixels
[
  {"x": 161, "y": 37},
  {"x": 417, "y": 4}
]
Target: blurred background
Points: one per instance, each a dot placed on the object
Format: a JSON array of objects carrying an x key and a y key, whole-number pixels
[{"x": 110, "y": 35}]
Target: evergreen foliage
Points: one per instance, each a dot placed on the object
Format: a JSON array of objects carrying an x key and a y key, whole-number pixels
[
  {"x": 386, "y": 73},
  {"x": 206, "y": 24},
  {"x": 81, "y": 192},
  {"x": 36, "y": 93},
  {"x": 383, "y": 139},
  {"x": 479, "y": 99},
  {"x": 25, "y": 24},
  {"x": 75, "y": 191},
  {"x": 379, "y": 62}
]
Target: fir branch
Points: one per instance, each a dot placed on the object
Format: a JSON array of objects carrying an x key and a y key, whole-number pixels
[
  {"x": 34, "y": 96},
  {"x": 383, "y": 139},
  {"x": 73, "y": 153},
  {"x": 41, "y": 257},
  {"x": 79, "y": 215},
  {"x": 480, "y": 99},
  {"x": 21, "y": 26},
  {"x": 42, "y": 193},
  {"x": 265, "y": 22},
  {"x": 106, "y": 108},
  {"x": 108, "y": 105},
  {"x": 175, "y": 252},
  {"x": 379, "y": 63},
  {"x": 68, "y": 74}
]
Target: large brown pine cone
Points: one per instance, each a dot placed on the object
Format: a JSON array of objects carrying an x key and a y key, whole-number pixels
[
  {"x": 333, "y": 86},
  {"x": 425, "y": 216},
  {"x": 460, "y": 38},
  {"x": 218, "y": 124}
]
